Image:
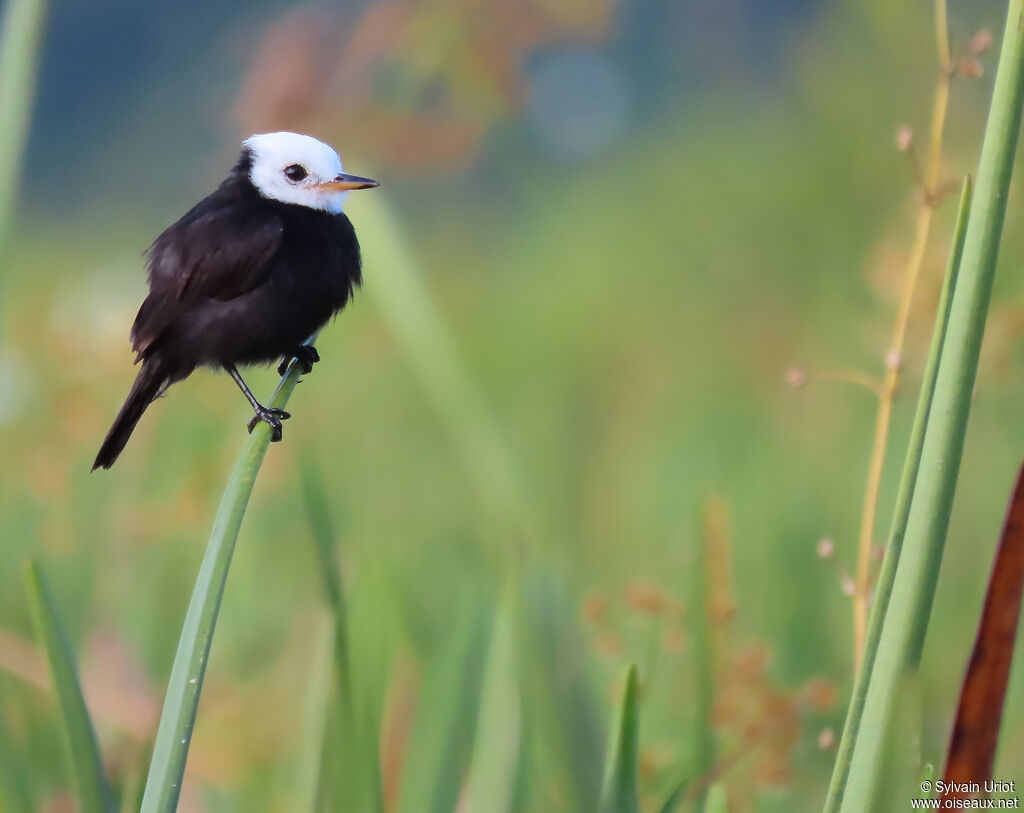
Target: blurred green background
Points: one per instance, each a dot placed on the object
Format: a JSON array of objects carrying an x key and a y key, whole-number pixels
[{"x": 632, "y": 217}]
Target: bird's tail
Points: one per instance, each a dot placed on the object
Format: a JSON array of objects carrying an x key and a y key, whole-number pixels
[{"x": 149, "y": 383}]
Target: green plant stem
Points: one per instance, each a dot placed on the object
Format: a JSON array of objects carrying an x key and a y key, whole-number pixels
[
  {"x": 906, "y": 620},
  {"x": 20, "y": 40},
  {"x": 904, "y": 496},
  {"x": 170, "y": 750}
]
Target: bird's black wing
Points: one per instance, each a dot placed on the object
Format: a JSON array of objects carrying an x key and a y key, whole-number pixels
[
  {"x": 218, "y": 250},
  {"x": 215, "y": 251}
]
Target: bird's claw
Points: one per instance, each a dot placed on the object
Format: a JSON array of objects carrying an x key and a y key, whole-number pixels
[
  {"x": 305, "y": 355},
  {"x": 272, "y": 416}
]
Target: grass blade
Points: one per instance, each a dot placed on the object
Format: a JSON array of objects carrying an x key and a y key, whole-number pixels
[
  {"x": 80, "y": 738},
  {"x": 564, "y": 716},
  {"x": 669, "y": 805},
  {"x": 170, "y": 750},
  {"x": 20, "y": 41},
  {"x": 906, "y": 619},
  {"x": 446, "y": 716},
  {"x": 358, "y": 767},
  {"x": 904, "y": 498},
  {"x": 491, "y": 787},
  {"x": 618, "y": 793},
  {"x": 972, "y": 746}
]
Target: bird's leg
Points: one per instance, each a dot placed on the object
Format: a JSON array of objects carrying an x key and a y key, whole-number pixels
[
  {"x": 305, "y": 355},
  {"x": 269, "y": 415}
]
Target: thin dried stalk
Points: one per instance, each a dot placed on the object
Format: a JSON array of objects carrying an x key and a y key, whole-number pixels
[{"x": 929, "y": 198}]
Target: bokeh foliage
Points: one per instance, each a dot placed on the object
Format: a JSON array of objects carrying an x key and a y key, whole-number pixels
[{"x": 626, "y": 317}]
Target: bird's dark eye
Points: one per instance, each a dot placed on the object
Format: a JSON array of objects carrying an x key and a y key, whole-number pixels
[{"x": 295, "y": 173}]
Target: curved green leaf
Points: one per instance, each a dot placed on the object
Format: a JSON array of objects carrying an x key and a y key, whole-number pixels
[{"x": 79, "y": 736}]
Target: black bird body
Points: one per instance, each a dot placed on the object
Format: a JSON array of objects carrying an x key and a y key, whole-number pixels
[
  {"x": 250, "y": 299},
  {"x": 241, "y": 278}
]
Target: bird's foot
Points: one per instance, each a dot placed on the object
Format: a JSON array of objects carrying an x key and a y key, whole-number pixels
[
  {"x": 305, "y": 355},
  {"x": 272, "y": 416}
]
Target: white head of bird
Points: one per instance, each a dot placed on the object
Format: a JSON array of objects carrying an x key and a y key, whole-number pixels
[{"x": 299, "y": 169}]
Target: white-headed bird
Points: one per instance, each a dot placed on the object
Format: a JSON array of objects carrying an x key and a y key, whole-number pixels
[{"x": 246, "y": 276}]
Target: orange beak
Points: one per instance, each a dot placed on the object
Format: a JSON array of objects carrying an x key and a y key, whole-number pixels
[{"x": 345, "y": 183}]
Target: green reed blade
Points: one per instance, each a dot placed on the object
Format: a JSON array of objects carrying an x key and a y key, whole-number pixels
[{"x": 79, "y": 735}]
